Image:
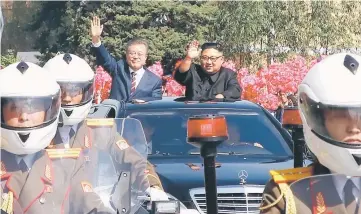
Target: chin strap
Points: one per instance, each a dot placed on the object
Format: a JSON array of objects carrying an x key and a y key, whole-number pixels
[{"x": 357, "y": 159}]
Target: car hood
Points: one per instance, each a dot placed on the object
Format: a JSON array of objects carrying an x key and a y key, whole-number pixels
[{"x": 178, "y": 177}]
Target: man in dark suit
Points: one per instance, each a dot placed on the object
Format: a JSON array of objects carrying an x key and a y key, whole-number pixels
[
  {"x": 131, "y": 81},
  {"x": 209, "y": 80}
]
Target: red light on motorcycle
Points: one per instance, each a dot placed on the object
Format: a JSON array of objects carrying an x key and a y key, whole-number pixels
[
  {"x": 291, "y": 116},
  {"x": 207, "y": 128}
]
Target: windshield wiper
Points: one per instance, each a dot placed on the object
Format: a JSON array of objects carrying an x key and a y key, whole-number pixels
[
  {"x": 264, "y": 155},
  {"x": 160, "y": 154},
  {"x": 248, "y": 154},
  {"x": 218, "y": 153}
]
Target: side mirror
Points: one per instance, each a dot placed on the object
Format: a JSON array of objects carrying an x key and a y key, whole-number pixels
[{"x": 109, "y": 108}]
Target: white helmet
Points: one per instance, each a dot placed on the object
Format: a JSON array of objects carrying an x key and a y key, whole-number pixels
[
  {"x": 30, "y": 107},
  {"x": 330, "y": 108},
  {"x": 76, "y": 80}
]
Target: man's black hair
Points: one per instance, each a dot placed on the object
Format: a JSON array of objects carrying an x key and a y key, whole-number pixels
[{"x": 214, "y": 45}]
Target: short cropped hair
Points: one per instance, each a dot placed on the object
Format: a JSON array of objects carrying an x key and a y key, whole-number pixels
[
  {"x": 137, "y": 41},
  {"x": 214, "y": 45}
]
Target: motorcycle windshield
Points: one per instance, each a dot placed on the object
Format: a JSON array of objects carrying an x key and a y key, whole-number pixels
[
  {"x": 132, "y": 138},
  {"x": 98, "y": 171},
  {"x": 331, "y": 193}
]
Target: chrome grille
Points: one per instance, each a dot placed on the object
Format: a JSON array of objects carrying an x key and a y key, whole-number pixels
[{"x": 231, "y": 199}]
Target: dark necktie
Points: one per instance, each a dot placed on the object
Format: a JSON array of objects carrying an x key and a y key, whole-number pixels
[
  {"x": 133, "y": 83},
  {"x": 23, "y": 167},
  {"x": 349, "y": 196},
  {"x": 71, "y": 133}
]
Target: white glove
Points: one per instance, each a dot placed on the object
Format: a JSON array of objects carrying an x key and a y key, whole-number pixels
[{"x": 157, "y": 194}]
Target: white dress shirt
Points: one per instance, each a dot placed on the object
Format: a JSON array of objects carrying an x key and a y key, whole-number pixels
[
  {"x": 65, "y": 132},
  {"x": 139, "y": 73},
  {"x": 340, "y": 182}
]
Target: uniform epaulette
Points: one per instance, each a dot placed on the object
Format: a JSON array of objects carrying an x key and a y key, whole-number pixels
[
  {"x": 100, "y": 122},
  {"x": 7, "y": 203},
  {"x": 290, "y": 175},
  {"x": 64, "y": 153}
]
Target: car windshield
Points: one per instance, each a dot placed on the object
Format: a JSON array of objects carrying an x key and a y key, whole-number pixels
[{"x": 250, "y": 133}]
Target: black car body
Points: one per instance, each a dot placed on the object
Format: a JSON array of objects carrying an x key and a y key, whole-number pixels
[{"x": 257, "y": 143}]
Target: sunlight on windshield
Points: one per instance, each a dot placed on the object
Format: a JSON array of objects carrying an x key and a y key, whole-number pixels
[{"x": 250, "y": 133}]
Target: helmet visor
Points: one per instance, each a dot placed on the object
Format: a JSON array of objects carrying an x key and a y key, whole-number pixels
[
  {"x": 29, "y": 112},
  {"x": 336, "y": 124},
  {"x": 76, "y": 93}
]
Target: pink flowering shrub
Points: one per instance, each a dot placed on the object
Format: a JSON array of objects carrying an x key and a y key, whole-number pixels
[{"x": 261, "y": 87}]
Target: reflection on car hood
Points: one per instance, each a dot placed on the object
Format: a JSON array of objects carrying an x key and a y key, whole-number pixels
[{"x": 178, "y": 176}]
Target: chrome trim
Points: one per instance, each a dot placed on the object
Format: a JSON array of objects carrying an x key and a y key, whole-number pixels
[{"x": 245, "y": 189}]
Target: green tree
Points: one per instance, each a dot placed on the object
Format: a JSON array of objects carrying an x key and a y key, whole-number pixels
[
  {"x": 282, "y": 27},
  {"x": 8, "y": 58},
  {"x": 168, "y": 26},
  {"x": 16, "y": 19}
]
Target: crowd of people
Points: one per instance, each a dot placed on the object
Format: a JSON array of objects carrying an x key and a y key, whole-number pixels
[{"x": 51, "y": 113}]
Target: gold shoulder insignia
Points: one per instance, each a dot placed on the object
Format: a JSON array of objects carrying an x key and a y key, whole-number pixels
[
  {"x": 290, "y": 175},
  {"x": 7, "y": 202},
  {"x": 63, "y": 153},
  {"x": 122, "y": 144},
  {"x": 87, "y": 142},
  {"x": 48, "y": 172},
  {"x": 321, "y": 207},
  {"x": 282, "y": 178},
  {"x": 3, "y": 169},
  {"x": 86, "y": 186},
  {"x": 100, "y": 122}
]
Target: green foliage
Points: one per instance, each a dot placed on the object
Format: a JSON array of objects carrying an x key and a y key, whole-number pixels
[
  {"x": 8, "y": 58},
  {"x": 167, "y": 25},
  {"x": 301, "y": 26},
  {"x": 14, "y": 34}
]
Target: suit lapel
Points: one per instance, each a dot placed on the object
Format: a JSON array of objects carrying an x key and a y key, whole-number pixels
[
  {"x": 41, "y": 173},
  {"x": 81, "y": 138},
  {"x": 128, "y": 76},
  {"x": 143, "y": 82},
  {"x": 11, "y": 173},
  {"x": 57, "y": 142}
]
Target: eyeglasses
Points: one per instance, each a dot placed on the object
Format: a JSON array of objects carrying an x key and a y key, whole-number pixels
[
  {"x": 133, "y": 53},
  {"x": 213, "y": 58}
]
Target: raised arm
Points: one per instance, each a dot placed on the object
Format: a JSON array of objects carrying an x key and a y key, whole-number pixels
[
  {"x": 103, "y": 57},
  {"x": 182, "y": 74}
]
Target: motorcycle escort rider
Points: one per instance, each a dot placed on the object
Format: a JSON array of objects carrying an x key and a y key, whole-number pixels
[
  {"x": 76, "y": 79},
  {"x": 330, "y": 109},
  {"x": 30, "y": 181}
]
